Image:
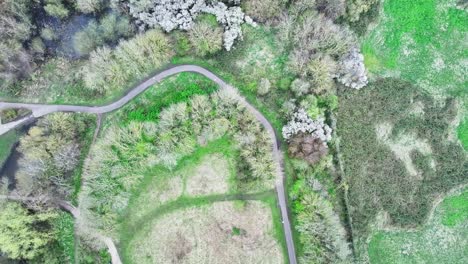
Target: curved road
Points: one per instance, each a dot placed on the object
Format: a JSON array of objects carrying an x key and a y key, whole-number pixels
[{"x": 39, "y": 110}]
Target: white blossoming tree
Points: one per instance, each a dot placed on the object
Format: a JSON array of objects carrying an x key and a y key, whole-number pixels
[
  {"x": 180, "y": 14},
  {"x": 352, "y": 71},
  {"x": 302, "y": 123}
]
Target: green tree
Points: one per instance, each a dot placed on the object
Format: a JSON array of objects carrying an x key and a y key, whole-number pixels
[
  {"x": 205, "y": 38},
  {"x": 24, "y": 235}
]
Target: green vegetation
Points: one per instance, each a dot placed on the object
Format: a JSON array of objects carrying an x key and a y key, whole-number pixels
[
  {"x": 421, "y": 41},
  {"x": 7, "y": 141},
  {"x": 455, "y": 210},
  {"x": 320, "y": 233},
  {"x": 131, "y": 149},
  {"x": 180, "y": 88},
  {"x": 441, "y": 240},
  {"x": 397, "y": 157},
  {"x": 65, "y": 233},
  {"x": 108, "y": 30},
  {"x": 16, "y": 222},
  {"x": 462, "y": 132}
]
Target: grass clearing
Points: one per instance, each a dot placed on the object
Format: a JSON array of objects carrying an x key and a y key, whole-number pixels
[
  {"x": 216, "y": 233},
  {"x": 423, "y": 41},
  {"x": 441, "y": 240}
]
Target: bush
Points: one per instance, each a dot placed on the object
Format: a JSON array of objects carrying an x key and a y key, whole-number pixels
[
  {"x": 263, "y": 87},
  {"x": 23, "y": 235},
  {"x": 48, "y": 34},
  {"x": 205, "y": 39},
  {"x": 264, "y": 10}
]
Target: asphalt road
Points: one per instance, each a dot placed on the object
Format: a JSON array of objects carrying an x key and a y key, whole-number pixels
[{"x": 39, "y": 110}]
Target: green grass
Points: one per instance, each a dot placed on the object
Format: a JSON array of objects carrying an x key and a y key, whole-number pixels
[
  {"x": 435, "y": 243},
  {"x": 413, "y": 36},
  {"x": 455, "y": 210},
  {"x": 179, "y": 88},
  {"x": 462, "y": 132},
  {"x": 7, "y": 141},
  {"x": 65, "y": 233}
]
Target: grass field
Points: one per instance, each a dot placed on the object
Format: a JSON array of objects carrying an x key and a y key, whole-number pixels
[
  {"x": 221, "y": 232},
  {"x": 423, "y": 41},
  {"x": 197, "y": 185},
  {"x": 442, "y": 240}
]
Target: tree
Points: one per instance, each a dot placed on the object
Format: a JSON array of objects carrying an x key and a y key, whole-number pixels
[
  {"x": 15, "y": 29},
  {"x": 321, "y": 71},
  {"x": 205, "y": 39},
  {"x": 109, "y": 70},
  {"x": 307, "y": 147},
  {"x": 332, "y": 9},
  {"x": 56, "y": 8},
  {"x": 352, "y": 71},
  {"x": 264, "y": 87},
  {"x": 89, "y": 6},
  {"x": 264, "y": 10},
  {"x": 24, "y": 235},
  {"x": 107, "y": 30},
  {"x": 356, "y": 8}
]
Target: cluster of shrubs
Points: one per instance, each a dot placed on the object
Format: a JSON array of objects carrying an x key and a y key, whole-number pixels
[
  {"x": 322, "y": 236},
  {"x": 109, "y": 69},
  {"x": 119, "y": 159},
  {"x": 49, "y": 153}
]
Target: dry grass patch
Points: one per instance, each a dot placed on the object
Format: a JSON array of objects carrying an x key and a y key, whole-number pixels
[
  {"x": 216, "y": 233},
  {"x": 161, "y": 190},
  {"x": 210, "y": 177},
  {"x": 403, "y": 146}
]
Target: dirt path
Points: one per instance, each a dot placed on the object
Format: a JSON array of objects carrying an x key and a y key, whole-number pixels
[{"x": 39, "y": 110}]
